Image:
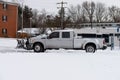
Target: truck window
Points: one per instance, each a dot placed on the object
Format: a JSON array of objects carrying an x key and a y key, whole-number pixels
[
  {"x": 99, "y": 36},
  {"x": 65, "y": 34},
  {"x": 87, "y": 35},
  {"x": 54, "y": 35}
]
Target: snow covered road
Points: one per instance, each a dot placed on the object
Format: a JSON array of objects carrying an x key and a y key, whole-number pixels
[{"x": 19, "y": 64}]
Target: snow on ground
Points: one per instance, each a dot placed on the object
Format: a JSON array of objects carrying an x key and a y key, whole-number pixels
[{"x": 19, "y": 64}]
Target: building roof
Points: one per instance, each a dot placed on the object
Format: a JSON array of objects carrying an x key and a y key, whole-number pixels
[
  {"x": 10, "y": 3},
  {"x": 81, "y": 25}
]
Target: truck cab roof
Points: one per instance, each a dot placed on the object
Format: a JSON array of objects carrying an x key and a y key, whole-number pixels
[{"x": 63, "y": 30}]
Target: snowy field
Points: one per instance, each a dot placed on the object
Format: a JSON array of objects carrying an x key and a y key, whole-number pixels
[{"x": 19, "y": 64}]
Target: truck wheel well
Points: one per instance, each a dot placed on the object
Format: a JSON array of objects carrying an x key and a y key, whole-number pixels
[
  {"x": 90, "y": 44},
  {"x": 38, "y": 43}
]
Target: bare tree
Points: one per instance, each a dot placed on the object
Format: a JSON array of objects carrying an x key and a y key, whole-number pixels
[
  {"x": 84, "y": 17},
  {"x": 75, "y": 14},
  {"x": 78, "y": 13},
  {"x": 106, "y": 16},
  {"x": 114, "y": 13},
  {"x": 42, "y": 18},
  {"x": 35, "y": 18},
  {"x": 100, "y": 12},
  {"x": 39, "y": 20},
  {"x": 72, "y": 13},
  {"x": 90, "y": 9}
]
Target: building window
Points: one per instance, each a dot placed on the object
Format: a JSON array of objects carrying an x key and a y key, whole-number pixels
[
  {"x": 4, "y": 18},
  {"x": 4, "y": 6},
  {"x": 4, "y": 31}
]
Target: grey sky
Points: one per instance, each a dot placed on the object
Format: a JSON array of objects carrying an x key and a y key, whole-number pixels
[{"x": 51, "y": 6}]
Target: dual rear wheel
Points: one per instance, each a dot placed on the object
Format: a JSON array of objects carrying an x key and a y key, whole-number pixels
[{"x": 90, "y": 48}]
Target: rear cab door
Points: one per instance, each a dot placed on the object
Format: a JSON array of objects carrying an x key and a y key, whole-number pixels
[{"x": 66, "y": 40}]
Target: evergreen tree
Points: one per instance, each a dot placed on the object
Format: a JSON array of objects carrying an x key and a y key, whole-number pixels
[
  {"x": 27, "y": 14},
  {"x": 19, "y": 17}
]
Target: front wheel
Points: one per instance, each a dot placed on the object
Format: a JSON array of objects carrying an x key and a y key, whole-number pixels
[
  {"x": 38, "y": 48},
  {"x": 90, "y": 48}
]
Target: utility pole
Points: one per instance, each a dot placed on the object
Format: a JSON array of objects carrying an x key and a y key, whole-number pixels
[
  {"x": 62, "y": 13},
  {"x": 22, "y": 23},
  {"x": 91, "y": 15},
  {"x": 92, "y": 6}
]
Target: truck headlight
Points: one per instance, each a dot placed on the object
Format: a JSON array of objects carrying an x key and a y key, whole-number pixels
[{"x": 31, "y": 40}]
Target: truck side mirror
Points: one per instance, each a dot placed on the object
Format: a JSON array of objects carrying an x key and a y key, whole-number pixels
[{"x": 48, "y": 37}]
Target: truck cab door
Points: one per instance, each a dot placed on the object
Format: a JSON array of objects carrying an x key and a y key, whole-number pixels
[{"x": 53, "y": 40}]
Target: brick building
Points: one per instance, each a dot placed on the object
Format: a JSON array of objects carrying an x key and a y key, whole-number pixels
[{"x": 8, "y": 19}]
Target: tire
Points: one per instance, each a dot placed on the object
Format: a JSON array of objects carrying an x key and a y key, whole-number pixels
[
  {"x": 38, "y": 48},
  {"x": 90, "y": 48}
]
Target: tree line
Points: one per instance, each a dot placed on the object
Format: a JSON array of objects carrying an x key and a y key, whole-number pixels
[{"x": 87, "y": 12}]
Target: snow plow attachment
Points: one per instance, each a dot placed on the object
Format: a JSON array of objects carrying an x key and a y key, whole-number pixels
[
  {"x": 20, "y": 43},
  {"x": 23, "y": 43}
]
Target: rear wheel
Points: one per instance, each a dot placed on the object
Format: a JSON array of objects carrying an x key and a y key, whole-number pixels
[
  {"x": 38, "y": 48},
  {"x": 90, "y": 48}
]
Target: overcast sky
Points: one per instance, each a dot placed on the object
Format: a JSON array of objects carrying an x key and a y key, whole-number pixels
[{"x": 51, "y": 6}]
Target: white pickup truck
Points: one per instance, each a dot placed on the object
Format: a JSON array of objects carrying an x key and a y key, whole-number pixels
[{"x": 67, "y": 39}]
